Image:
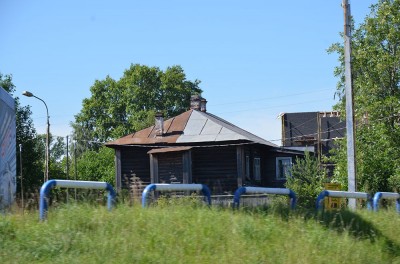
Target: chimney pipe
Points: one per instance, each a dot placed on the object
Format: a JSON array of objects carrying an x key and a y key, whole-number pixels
[
  {"x": 198, "y": 103},
  {"x": 159, "y": 125},
  {"x": 195, "y": 102},
  {"x": 203, "y": 103}
]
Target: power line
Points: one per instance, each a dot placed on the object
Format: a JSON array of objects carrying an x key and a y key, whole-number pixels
[
  {"x": 270, "y": 107},
  {"x": 309, "y": 135},
  {"x": 271, "y": 140},
  {"x": 329, "y": 130},
  {"x": 270, "y": 98}
]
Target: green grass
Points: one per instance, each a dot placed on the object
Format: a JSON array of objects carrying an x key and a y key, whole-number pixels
[{"x": 189, "y": 233}]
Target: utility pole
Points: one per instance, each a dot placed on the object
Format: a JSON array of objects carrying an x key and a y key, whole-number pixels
[
  {"x": 67, "y": 167},
  {"x": 351, "y": 155},
  {"x": 20, "y": 169},
  {"x": 76, "y": 167}
]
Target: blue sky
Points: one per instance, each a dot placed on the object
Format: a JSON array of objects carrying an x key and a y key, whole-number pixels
[{"x": 255, "y": 59}]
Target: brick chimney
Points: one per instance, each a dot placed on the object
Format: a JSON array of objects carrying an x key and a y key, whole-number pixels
[
  {"x": 198, "y": 103},
  {"x": 159, "y": 125},
  {"x": 203, "y": 104}
]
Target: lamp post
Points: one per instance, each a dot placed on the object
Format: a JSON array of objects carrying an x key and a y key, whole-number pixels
[{"x": 46, "y": 175}]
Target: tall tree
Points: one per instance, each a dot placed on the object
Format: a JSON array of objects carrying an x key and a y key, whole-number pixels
[
  {"x": 376, "y": 83},
  {"x": 32, "y": 159},
  {"x": 117, "y": 108}
]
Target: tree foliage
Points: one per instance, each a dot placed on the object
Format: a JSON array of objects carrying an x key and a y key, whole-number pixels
[
  {"x": 306, "y": 180},
  {"x": 376, "y": 83},
  {"x": 97, "y": 165},
  {"x": 117, "y": 108}
]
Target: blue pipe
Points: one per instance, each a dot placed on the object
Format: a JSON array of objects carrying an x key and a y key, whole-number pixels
[
  {"x": 243, "y": 190},
  {"x": 342, "y": 194},
  {"x": 207, "y": 194},
  {"x": 320, "y": 198},
  {"x": 110, "y": 196},
  {"x": 293, "y": 198},
  {"x": 146, "y": 191},
  {"x": 47, "y": 186},
  {"x": 44, "y": 192},
  {"x": 376, "y": 199},
  {"x": 398, "y": 205},
  {"x": 379, "y": 195},
  {"x": 236, "y": 197}
]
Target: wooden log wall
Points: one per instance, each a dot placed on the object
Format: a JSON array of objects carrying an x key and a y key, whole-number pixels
[
  {"x": 216, "y": 167},
  {"x": 135, "y": 167},
  {"x": 170, "y": 167}
]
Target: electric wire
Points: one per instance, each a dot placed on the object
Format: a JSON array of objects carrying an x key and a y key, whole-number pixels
[
  {"x": 271, "y": 140},
  {"x": 269, "y": 98}
]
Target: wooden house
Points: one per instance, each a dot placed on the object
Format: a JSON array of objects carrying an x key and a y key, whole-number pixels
[{"x": 199, "y": 147}]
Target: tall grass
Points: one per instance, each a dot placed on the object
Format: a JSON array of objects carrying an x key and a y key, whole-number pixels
[{"x": 186, "y": 232}]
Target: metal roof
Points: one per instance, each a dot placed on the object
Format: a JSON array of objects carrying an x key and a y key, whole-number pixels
[{"x": 192, "y": 126}]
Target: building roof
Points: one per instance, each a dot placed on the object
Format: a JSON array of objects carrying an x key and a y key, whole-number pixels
[
  {"x": 170, "y": 149},
  {"x": 192, "y": 126}
]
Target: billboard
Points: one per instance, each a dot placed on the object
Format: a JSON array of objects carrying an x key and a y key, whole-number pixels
[{"x": 8, "y": 158}]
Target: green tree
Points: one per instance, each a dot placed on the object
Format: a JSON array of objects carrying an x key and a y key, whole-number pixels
[
  {"x": 32, "y": 159},
  {"x": 376, "y": 80},
  {"x": 97, "y": 165},
  {"x": 117, "y": 108},
  {"x": 307, "y": 178}
]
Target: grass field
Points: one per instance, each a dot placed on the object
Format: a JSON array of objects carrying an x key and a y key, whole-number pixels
[{"x": 187, "y": 232}]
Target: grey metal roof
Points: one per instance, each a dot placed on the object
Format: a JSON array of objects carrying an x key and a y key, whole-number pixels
[{"x": 203, "y": 126}]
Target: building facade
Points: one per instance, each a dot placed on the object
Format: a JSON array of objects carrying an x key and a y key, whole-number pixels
[{"x": 199, "y": 147}]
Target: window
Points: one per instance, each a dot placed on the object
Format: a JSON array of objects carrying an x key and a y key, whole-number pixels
[
  {"x": 257, "y": 169},
  {"x": 283, "y": 166},
  {"x": 247, "y": 167}
]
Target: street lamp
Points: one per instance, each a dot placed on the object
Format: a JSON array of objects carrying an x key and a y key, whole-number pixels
[{"x": 46, "y": 175}]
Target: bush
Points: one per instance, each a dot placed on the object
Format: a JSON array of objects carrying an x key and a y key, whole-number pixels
[{"x": 307, "y": 178}]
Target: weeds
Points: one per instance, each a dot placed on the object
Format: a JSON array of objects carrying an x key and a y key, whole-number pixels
[{"x": 185, "y": 230}]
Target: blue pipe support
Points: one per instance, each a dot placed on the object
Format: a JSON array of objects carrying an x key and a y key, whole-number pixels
[
  {"x": 149, "y": 188},
  {"x": 320, "y": 198},
  {"x": 343, "y": 194},
  {"x": 386, "y": 195},
  {"x": 175, "y": 187},
  {"x": 236, "y": 197},
  {"x": 44, "y": 192},
  {"x": 47, "y": 186},
  {"x": 282, "y": 191}
]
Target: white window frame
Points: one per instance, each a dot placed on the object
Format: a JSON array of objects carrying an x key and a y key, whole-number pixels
[
  {"x": 257, "y": 169},
  {"x": 285, "y": 166}
]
